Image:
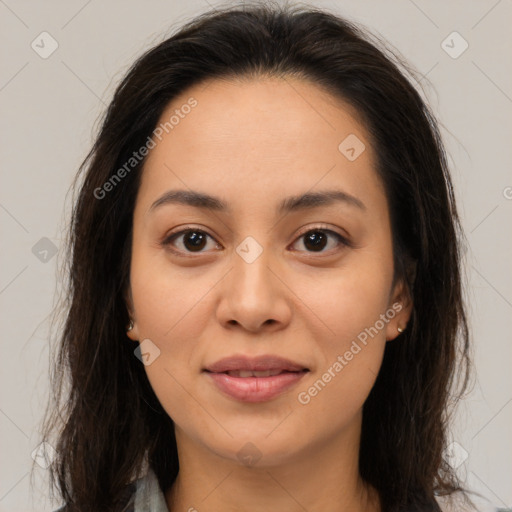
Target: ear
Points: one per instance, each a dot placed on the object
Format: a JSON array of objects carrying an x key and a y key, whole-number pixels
[
  {"x": 400, "y": 302},
  {"x": 133, "y": 334}
]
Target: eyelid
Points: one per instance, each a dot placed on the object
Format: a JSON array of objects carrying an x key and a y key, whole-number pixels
[{"x": 182, "y": 229}]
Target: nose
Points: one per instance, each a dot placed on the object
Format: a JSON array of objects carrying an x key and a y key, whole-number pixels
[{"x": 254, "y": 296}]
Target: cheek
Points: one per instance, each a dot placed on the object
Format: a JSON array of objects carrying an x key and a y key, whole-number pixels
[
  {"x": 353, "y": 306},
  {"x": 172, "y": 311},
  {"x": 169, "y": 301},
  {"x": 350, "y": 359},
  {"x": 347, "y": 300}
]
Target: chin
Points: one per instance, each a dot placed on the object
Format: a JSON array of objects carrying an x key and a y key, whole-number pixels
[{"x": 259, "y": 447}]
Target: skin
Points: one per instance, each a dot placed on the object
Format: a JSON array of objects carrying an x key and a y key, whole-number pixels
[{"x": 252, "y": 143}]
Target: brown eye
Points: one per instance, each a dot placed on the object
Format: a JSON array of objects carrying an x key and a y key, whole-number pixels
[
  {"x": 317, "y": 239},
  {"x": 189, "y": 240},
  {"x": 194, "y": 240}
]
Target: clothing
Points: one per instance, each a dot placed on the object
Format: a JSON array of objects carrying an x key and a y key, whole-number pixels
[
  {"x": 145, "y": 495},
  {"x": 148, "y": 496}
]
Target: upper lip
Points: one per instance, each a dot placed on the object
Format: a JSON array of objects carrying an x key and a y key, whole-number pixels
[{"x": 255, "y": 364}]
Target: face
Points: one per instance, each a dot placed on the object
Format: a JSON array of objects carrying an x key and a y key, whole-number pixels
[{"x": 300, "y": 290}]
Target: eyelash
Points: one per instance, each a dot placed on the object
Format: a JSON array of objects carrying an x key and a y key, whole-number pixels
[{"x": 166, "y": 243}]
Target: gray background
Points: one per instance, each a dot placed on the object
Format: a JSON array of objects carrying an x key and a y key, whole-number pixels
[{"x": 49, "y": 111}]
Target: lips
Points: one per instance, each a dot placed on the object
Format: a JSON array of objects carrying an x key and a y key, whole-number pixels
[
  {"x": 256, "y": 379},
  {"x": 249, "y": 373},
  {"x": 255, "y": 364}
]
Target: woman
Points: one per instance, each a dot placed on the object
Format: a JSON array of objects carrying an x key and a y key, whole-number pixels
[{"x": 265, "y": 305}]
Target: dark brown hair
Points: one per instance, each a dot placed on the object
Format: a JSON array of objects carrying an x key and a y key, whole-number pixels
[{"x": 104, "y": 416}]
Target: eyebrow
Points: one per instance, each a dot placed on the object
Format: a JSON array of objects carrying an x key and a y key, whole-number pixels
[{"x": 290, "y": 204}]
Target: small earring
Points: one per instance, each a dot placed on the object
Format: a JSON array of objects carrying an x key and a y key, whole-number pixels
[
  {"x": 130, "y": 326},
  {"x": 400, "y": 330}
]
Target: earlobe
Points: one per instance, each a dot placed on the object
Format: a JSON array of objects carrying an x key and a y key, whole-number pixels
[
  {"x": 402, "y": 304},
  {"x": 131, "y": 331},
  {"x": 394, "y": 331}
]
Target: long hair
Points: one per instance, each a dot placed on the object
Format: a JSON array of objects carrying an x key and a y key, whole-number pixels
[{"x": 106, "y": 421}]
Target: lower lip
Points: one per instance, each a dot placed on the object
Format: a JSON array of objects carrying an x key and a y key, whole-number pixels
[{"x": 255, "y": 389}]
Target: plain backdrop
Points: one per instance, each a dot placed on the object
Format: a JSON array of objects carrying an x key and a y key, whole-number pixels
[{"x": 50, "y": 104}]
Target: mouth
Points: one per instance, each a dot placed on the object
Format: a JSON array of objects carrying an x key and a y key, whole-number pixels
[
  {"x": 258, "y": 379},
  {"x": 243, "y": 374},
  {"x": 265, "y": 363}
]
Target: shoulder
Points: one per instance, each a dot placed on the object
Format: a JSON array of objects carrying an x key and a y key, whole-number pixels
[
  {"x": 457, "y": 503},
  {"x": 143, "y": 494},
  {"x": 149, "y": 495},
  {"x": 127, "y": 499}
]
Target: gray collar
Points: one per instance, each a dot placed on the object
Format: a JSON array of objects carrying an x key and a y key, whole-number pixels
[{"x": 148, "y": 495}]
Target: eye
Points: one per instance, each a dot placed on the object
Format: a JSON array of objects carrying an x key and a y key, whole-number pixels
[
  {"x": 192, "y": 240},
  {"x": 316, "y": 239}
]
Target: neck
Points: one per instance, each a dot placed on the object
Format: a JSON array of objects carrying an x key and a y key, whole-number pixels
[{"x": 323, "y": 477}]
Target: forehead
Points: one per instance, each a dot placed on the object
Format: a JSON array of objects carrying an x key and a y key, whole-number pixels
[{"x": 259, "y": 137}]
